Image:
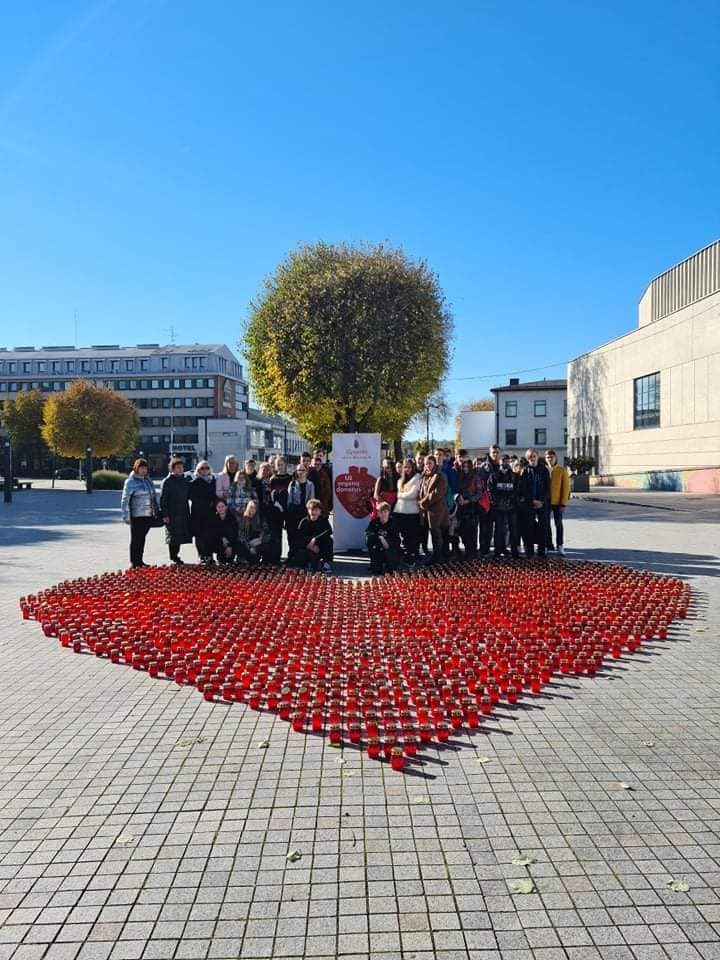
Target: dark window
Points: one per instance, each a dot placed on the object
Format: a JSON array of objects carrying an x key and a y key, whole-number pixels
[
  {"x": 541, "y": 409},
  {"x": 646, "y": 402},
  {"x": 510, "y": 438},
  {"x": 540, "y": 436},
  {"x": 129, "y": 365},
  {"x": 165, "y": 363},
  {"x": 511, "y": 408},
  {"x": 144, "y": 364}
]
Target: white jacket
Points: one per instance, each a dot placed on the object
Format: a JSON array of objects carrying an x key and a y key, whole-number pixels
[{"x": 407, "y": 496}]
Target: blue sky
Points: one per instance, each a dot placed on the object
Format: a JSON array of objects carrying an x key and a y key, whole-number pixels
[{"x": 546, "y": 159}]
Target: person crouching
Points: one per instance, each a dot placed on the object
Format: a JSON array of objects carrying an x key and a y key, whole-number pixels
[
  {"x": 222, "y": 534},
  {"x": 383, "y": 541},
  {"x": 314, "y": 538}
]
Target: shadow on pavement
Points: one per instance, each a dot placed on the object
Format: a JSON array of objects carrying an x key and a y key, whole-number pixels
[{"x": 673, "y": 564}]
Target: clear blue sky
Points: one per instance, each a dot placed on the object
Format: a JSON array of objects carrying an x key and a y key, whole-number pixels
[{"x": 547, "y": 159}]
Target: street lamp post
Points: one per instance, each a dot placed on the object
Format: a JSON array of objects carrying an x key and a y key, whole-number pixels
[
  {"x": 7, "y": 471},
  {"x": 428, "y": 407},
  {"x": 88, "y": 470}
]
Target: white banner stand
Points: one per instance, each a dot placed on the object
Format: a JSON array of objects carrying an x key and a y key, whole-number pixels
[{"x": 356, "y": 467}]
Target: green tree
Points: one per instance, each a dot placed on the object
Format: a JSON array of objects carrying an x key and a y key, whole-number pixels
[
  {"x": 84, "y": 416},
  {"x": 22, "y": 418},
  {"x": 348, "y": 338}
]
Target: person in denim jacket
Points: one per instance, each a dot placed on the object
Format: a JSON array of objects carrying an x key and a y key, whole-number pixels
[{"x": 140, "y": 509}]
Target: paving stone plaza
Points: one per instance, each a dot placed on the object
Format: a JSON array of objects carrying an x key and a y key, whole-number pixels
[{"x": 138, "y": 820}]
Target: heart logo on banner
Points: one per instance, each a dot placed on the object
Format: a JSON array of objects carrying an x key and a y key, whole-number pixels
[
  {"x": 354, "y": 489},
  {"x": 389, "y": 664}
]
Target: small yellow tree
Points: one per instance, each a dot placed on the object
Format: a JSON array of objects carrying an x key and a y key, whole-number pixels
[
  {"x": 23, "y": 417},
  {"x": 88, "y": 416}
]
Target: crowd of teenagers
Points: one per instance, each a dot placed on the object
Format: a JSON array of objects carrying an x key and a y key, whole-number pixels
[{"x": 429, "y": 508}]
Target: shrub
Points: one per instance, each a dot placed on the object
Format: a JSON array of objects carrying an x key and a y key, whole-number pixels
[{"x": 108, "y": 479}]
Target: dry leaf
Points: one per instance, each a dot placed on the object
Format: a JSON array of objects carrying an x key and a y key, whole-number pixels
[
  {"x": 293, "y": 856},
  {"x": 522, "y": 861},
  {"x": 421, "y": 798},
  {"x": 483, "y": 759},
  {"x": 124, "y": 840},
  {"x": 191, "y": 741},
  {"x": 341, "y": 761},
  {"x": 625, "y": 786},
  {"x": 521, "y": 886},
  {"x": 648, "y": 743},
  {"x": 679, "y": 886},
  {"x": 263, "y": 744}
]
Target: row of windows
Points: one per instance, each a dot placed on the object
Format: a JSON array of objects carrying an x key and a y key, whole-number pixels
[
  {"x": 165, "y": 439},
  {"x": 147, "y": 422},
  {"x": 102, "y": 365},
  {"x": 540, "y": 440},
  {"x": 539, "y": 408},
  {"x": 127, "y": 386},
  {"x": 173, "y": 403}
]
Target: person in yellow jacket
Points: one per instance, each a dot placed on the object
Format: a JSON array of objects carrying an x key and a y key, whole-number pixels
[{"x": 559, "y": 498}]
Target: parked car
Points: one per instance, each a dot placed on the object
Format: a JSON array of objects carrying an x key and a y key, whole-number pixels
[{"x": 66, "y": 473}]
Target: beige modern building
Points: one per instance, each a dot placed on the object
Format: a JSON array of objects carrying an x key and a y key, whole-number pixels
[{"x": 647, "y": 405}]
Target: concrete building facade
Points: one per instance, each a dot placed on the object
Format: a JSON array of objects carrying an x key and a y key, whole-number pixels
[
  {"x": 188, "y": 397},
  {"x": 532, "y": 414},
  {"x": 647, "y": 405}
]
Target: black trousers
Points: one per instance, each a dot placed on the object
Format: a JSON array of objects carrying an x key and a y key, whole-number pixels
[
  {"x": 325, "y": 554},
  {"x": 382, "y": 560},
  {"x": 506, "y": 526},
  {"x": 409, "y": 526},
  {"x": 557, "y": 515},
  {"x": 487, "y": 524},
  {"x": 468, "y": 527},
  {"x": 139, "y": 527},
  {"x": 274, "y": 549},
  {"x": 533, "y": 531}
]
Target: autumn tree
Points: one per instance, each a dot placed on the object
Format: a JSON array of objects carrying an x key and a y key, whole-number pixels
[
  {"x": 88, "y": 416},
  {"x": 22, "y": 418},
  {"x": 348, "y": 339}
]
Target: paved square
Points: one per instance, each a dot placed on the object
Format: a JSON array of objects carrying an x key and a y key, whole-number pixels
[{"x": 137, "y": 820}]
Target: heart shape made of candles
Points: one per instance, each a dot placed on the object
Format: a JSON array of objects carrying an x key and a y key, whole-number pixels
[{"x": 392, "y": 663}]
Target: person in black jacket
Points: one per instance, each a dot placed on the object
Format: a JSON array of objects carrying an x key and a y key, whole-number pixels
[
  {"x": 175, "y": 508},
  {"x": 502, "y": 488},
  {"x": 383, "y": 540},
  {"x": 314, "y": 538},
  {"x": 279, "y": 483},
  {"x": 487, "y": 518},
  {"x": 221, "y": 534},
  {"x": 202, "y": 499},
  {"x": 533, "y": 493}
]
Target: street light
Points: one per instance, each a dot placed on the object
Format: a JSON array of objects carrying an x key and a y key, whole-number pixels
[
  {"x": 428, "y": 407},
  {"x": 7, "y": 471},
  {"x": 88, "y": 470}
]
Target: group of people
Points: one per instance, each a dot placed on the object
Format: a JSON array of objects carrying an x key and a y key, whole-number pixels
[
  {"x": 238, "y": 515},
  {"x": 436, "y": 505},
  {"x": 497, "y": 502}
]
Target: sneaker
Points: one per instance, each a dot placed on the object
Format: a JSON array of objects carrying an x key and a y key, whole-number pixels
[
  {"x": 178, "y": 561},
  {"x": 326, "y": 568},
  {"x": 561, "y": 551}
]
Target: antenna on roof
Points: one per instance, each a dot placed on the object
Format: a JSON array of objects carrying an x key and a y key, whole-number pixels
[{"x": 171, "y": 331}]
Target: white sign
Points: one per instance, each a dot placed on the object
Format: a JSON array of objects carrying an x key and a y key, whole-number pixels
[{"x": 356, "y": 466}]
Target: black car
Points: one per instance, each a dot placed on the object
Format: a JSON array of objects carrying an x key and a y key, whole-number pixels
[{"x": 66, "y": 473}]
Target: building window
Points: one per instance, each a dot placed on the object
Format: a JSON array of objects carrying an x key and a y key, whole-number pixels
[
  {"x": 154, "y": 384},
  {"x": 565, "y": 408},
  {"x": 511, "y": 408},
  {"x": 114, "y": 366},
  {"x": 510, "y": 438},
  {"x": 69, "y": 366},
  {"x": 165, "y": 363},
  {"x": 540, "y": 436},
  {"x": 85, "y": 366},
  {"x": 540, "y": 409},
  {"x": 187, "y": 384},
  {"x": 26, "y": 366},
  {"x": 42, "y": 366},
  {"x": 99, "y": 366},
  {"x": 144, "y": 365},
  {"x": 129, "y": 366},
  {"x": 646, "y": 402}
]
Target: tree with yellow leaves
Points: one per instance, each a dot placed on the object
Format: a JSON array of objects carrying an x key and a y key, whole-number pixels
[
  {"x": 347, "y": 339},
  {"x": 88, "y": 416}
]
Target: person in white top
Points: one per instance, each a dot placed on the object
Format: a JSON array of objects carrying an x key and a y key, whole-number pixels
[
  {"x": 226, "y": 477},
  {"x": 407, "y": 511}
]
